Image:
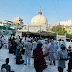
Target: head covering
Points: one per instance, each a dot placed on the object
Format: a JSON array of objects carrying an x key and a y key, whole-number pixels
[
  {"x": 39, "y": 42},
  {"x": 28, "y": 39},
  {"x": 52, "y": 43},
  {"x": 62, "y": 45},
  {"x": 46, "y": 39},
  {"x": 56, "y": 43}
]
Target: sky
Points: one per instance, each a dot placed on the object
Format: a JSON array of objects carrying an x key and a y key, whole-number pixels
[{"x": 53, "y": 10}]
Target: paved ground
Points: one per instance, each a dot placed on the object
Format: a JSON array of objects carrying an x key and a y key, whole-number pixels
[{"x": 23, "y": 68}]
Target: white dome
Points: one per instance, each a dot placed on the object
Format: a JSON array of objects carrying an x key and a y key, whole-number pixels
[{"x": 39, "y": 19}]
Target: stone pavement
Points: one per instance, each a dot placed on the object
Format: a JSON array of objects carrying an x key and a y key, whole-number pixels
[{"x": 23, "y": 68}]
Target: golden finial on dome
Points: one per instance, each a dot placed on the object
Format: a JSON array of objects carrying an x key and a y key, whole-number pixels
[
  {"x": 67, "y": 19},
  {"x": 40, "y": 13}
]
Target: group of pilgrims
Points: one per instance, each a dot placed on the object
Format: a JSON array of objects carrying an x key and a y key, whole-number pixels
[{"x": 42, "y": 50}]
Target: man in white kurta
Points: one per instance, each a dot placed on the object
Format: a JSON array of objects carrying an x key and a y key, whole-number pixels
[
  {"x": 52, "y": 53},
  {"x": 34, "y": 45},
  {"x": 28, "y": 46}
]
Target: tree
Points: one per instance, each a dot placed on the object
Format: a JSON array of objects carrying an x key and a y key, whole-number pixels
[
  {"x": 20, "y": 28},
  {"x": 59, "y": 29}
]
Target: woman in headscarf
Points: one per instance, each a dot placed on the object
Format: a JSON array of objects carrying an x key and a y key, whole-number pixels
[
  {"x": 57, "y": 46},
  {"x": 52, "y": 53},
  {"x": 49, "y": 43},
  {"x": 45, "y": 49},
  {"x": 39, "y": 61}
]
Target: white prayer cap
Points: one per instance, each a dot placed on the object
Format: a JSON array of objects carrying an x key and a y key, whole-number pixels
[
  {"x": 28, "y": 39},
  {"x": 39, "y": 42},
  {"x": 46, "y": 39}
]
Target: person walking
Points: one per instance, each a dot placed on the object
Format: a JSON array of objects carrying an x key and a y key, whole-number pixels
[
  {"x": 34, "y": 44},
  {"x": 57, "y": 46},
  {"x": 28, "y": 46},
  {"x": 38, "y": 57},
  {"x": 52, "y": 53},
  {"x": 19, "y": 46},
  {"x": 45, "y": 49},
  {"x": 61, "y": 56}
]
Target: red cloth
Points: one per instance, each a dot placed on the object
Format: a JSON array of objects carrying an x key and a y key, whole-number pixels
[
  {"x": 38, "y": 58},
  {"x": 25, "y": 38},
  {"x": 69, "y": 47}
]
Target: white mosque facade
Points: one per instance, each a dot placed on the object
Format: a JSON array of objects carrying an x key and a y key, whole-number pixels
[
  {"x": 66, "y": 23},
  {"x": 38, "y": 23}
]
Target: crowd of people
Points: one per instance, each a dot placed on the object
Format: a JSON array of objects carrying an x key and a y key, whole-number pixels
[{"x": 41, "y": 50}]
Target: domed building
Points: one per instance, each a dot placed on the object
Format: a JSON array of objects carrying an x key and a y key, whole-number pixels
[
  {"x": 38, "y": 22},
  {"x": 39, "y": 19}
]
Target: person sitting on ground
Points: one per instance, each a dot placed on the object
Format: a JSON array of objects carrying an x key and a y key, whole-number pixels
[
  {"x": 19, "y": 59},
  {"x": 6, "y": 66}
]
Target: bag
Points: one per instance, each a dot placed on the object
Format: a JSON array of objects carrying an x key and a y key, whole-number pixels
[
  {"x": 46, "y": 54},
  {"x": 45, "y": 66},
  {"x": 23, "y": 51}
]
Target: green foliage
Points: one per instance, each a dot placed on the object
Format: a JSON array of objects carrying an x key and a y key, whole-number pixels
[
  {"x": 59, "y": 29},
  {"x": 20, "y": 28}
]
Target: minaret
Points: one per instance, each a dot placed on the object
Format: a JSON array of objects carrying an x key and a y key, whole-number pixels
[{"x": 40, "y": 13}]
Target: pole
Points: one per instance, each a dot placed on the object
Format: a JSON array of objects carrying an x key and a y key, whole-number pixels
[
  {"x": 28, "y": 30},
  {"x": 40, "y": 31},
  {"x": 55, "y": 28},
  {"x": 28, "y": 27},
  {"x": 55, "y": 32}
]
